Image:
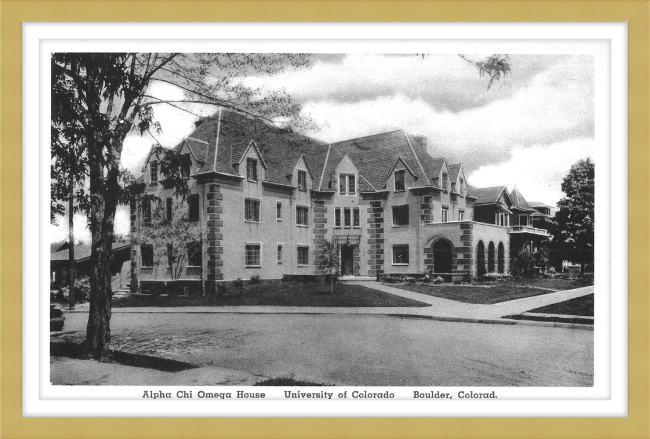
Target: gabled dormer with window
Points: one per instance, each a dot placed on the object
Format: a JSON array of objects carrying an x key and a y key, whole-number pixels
[
  {"x": 400, "y": 178},
  {"x": 251, "y": 164},
  {"x": 301, "y": 177},
  {"x": 347, "y": 178}
]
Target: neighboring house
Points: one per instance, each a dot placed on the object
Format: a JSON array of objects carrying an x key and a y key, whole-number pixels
[
  {"x": 265, "y": 204},
  {"x": 542, "y": 218},
  {"x": 60, "y": 263},
  {"x": 494, "y": 205}
]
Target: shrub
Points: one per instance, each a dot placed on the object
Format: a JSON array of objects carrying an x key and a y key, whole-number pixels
[
  {"x": 222, "y": 289},
  {"x": 438, "y": 280},
  {"x": 496, "y": 276},
  {"x": 82, "y": 291},
  {"x": 255, "y": 279},
  {"x": 239, "y": 283}
]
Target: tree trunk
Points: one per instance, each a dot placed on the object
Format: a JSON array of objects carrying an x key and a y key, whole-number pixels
[{"x": 71, "y": 276}]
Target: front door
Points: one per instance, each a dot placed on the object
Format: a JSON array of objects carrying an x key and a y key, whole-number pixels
[{"x": 347, "y": 260}]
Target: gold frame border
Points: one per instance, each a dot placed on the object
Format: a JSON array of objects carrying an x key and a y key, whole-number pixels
[{"x": 13, "y": 13}]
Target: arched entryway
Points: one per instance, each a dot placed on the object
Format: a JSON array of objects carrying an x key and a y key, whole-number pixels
[
  {"x": 491, "y": 257},
  {"x": 442, "y": 256},
  {"x": 480, "y": 259},
  {"x": 501, "y": 258}
]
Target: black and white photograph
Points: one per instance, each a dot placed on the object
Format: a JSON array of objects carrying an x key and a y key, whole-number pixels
[{"x": 322, "y": 219}]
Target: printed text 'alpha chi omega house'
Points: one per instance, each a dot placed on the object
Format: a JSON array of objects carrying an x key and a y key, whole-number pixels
[{"x": 262, "y": 203}]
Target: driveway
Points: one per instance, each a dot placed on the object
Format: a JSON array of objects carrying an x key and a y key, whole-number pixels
[{"x": 367, "y": 350}]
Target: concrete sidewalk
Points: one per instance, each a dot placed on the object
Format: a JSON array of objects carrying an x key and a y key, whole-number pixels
[{"x": 442, "y": 309}]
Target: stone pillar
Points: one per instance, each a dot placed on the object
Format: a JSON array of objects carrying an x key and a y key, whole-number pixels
[
  {"x": 375, "y": 238},
  {"x": 135, "y": 235},
  {"x": 320, "y": 228},
  {"x": 356, "y": 260},
  {"x": 215, "y": 237}
]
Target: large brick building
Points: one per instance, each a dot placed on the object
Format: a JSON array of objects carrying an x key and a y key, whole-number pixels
[{"x": 264, "y": 203}]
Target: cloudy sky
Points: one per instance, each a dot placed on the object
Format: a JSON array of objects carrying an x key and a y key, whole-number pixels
[{"x": 526, "y": 131}]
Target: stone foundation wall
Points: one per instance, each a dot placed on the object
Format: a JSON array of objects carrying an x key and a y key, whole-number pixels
[{"x": 320, "y": 228}]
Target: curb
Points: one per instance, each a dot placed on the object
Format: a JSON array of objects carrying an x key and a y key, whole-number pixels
[{"x": 497, "y": 322}]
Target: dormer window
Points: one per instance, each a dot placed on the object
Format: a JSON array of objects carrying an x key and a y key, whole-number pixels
[
  {"x": 461, "y": 186},
  {"x": 347, "y": 184},
  {"x": 251, "y": 169},
  {"x": 400, "y": 184},
  {"x": 153, "y": 171},
  {"x": 186, "y": 166},
  {"x": 302, "y": 180},
  {"x": 445, "y": 182}
]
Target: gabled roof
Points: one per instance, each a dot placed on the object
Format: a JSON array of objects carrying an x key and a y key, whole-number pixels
[
  {"x": 83, "y": 251},
  {"x": 454, "y": 170},
  {"x": 535, "y": 204},
  {"x": 519, "y": 201},
  {"x": 488, "y": 195},
  {"x": 374, "y": 156}
]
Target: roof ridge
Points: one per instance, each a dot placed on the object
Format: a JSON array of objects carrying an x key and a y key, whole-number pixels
[
  {"x": 406, "y": 136},
  {"x": 322, "y": 175},
  {"x": 197, "y": 140},
  {"x": 365, "y": 137}
]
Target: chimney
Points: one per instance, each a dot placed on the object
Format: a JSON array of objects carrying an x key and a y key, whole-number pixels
[{"x": 422, "y": 140}]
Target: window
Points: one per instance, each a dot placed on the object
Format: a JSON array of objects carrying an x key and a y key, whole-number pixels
[
  {"x": 146, "y": 252},
  {"x": 347, "y": 216},
  {"x": 252, "y": 210},
  {"x": 193, "y": 204},
  {"x": 400, "y": 254},
  {"x": 278, "y": 211},
  {"x": 253, "y": 255},
  {"x": 461, "y": 215},
  {"x": 399, "y": 180},
  {"x": 186, "y": 165},
  {"x": 445, "y": 215},
  {"x": 302, "y": 215},
  {"x": 347, "y": 184},
  {"x": 146, "y": 211},
  {"x": 169, "y": 209},
  {"x": 337, "y": 217},
  {"x": 153, "y": 171},
  {"x": 355, "y": 218},
  {"x": 194, "y": 254},
  {"x": 461, "y": 187},
  {"x": 251, "y": 169},
  {"x": 302, "y": 180},
  {"x": 279, "y": 253},
  {"x": 303, "y": 255},
  {"x": 445, "y": 182},
  {"x": 401, "y": 215}
]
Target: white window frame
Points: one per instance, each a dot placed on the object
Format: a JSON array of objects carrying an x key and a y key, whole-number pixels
[
  {"x": 430, "y": 208},
  {"x": 259, "y": 201},
  {"x": 461, "y": 215},
  {"x": 408, "y": 217},
  {"x": 298, "y": 247},
  {"x": 298, "y": 206},
  {"x": 408, "y": 254},
  {"x": 337, "y": 218},
  {"x": 356, "y": 214},
  {"x": 279, "y": 252},
  {"x": 302, "y": 188},
  {"x": 151, "y": 173},
  {"x": 345, "y": 176},
  {"x": 278, "y": 212},
  {"x": 444, "y": 215},
  {"x": 250, "y": 160},
  {"x": 259, "y": 245},
  {"x": 198, "y": 243},
  {"x": 403, "y": 172},
  {"x": 347, "y": 217}
]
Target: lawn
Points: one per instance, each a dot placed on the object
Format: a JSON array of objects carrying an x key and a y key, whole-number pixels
[
  {"x": 488, "y": 293},
  {"x": 278, "y": 294},
  {"x": 580, "y": 306}
]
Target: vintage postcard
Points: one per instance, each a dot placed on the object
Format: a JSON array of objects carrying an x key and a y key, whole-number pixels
[{"x": 416, "y": 221}]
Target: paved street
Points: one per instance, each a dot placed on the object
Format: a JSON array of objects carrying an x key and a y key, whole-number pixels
[{"x": 358, "y": 349}]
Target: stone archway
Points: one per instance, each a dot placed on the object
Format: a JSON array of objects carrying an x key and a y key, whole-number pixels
[
  {"x": 501, "y": 258},
  {"x": 480, "y": 259},
  {"x": 442, "y": 258},
  {"x": 491, "y": 257}
]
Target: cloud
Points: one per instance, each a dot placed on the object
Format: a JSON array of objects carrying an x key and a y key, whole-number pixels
[{"x": 536, "y": 170}]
